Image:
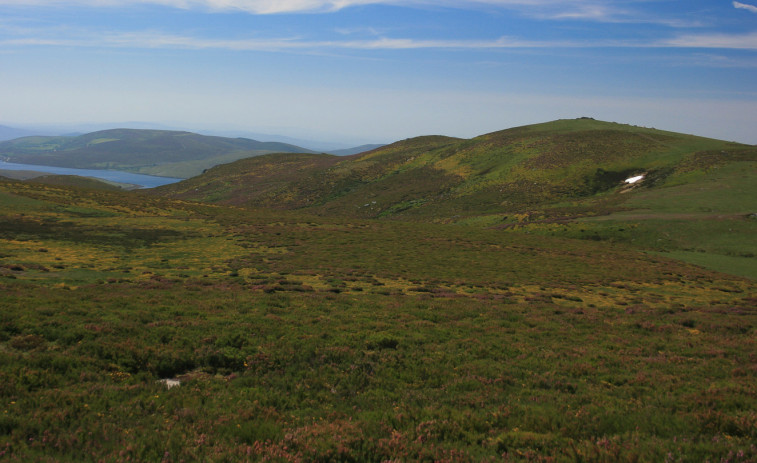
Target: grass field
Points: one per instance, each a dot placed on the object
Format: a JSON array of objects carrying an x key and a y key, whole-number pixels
[{"x": 303, "y": 338}]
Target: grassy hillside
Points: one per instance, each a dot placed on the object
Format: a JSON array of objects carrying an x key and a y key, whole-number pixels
[
  {"x": 303, "y": 338},
  {"x": 69, "y": 180},
  {"x": 153, "y": 152},
  {"x": 510, "y": 171},
  {"x": 696, "y": 201},
  {"x": 80, "y": 182}
]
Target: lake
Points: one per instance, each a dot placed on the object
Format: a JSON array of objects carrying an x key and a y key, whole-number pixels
[{"x": 144, "y": 181}]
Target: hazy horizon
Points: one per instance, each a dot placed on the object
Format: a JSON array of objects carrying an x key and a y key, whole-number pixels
[{"x": 283, "y": 135}]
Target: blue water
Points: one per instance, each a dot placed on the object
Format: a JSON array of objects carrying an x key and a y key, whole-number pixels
[{"x": 144, "y": 181}]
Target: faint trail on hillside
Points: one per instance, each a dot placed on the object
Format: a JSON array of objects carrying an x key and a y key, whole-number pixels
[
  {"x": 663, "y": 215},
  {"x": 655, "y": 140}
]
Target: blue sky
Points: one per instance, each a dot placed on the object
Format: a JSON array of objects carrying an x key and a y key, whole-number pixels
[{"x": 380, "y": 70}]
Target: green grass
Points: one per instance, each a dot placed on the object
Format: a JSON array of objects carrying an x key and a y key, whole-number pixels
[
  {"x": 727, "y": 189},
  {"x": 743, "y": 265},
  {"x": 101, "y": 140},
  {"x": 81, "y": 182},
  {"x": 722, "y": 244},
  {"x": 187, "y": 169},
  {"x": 304, "y": 338}
]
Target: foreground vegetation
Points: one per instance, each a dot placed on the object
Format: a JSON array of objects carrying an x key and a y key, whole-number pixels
[{"x": 300, "y": 338}]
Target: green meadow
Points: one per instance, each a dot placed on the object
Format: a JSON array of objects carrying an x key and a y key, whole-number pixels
[{"x": 303, "y": 337}]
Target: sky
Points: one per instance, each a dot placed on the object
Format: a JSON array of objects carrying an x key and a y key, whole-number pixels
[{"x": 377, "y": 71}]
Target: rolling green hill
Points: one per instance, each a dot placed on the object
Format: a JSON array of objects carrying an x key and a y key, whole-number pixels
[
  {"x": 64, "y": 180},
  {"x": 696, "y": 200},
  {"x": 80, "y": 182},
  {"x": 152, "y": 152},
  {"x": 512, "y": 171}
]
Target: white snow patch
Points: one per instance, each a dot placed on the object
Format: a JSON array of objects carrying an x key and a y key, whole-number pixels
[
  {"x": 170, "y": 382},
  {"x": 634, "y": 179}
]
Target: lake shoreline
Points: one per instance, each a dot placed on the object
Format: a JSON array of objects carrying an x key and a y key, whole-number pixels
[{"x": 116, "y": 176}]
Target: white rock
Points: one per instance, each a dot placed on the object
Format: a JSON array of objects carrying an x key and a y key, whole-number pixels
[
  {"x": 634, "y": 179},
  {"x": 170, "y": 382}
]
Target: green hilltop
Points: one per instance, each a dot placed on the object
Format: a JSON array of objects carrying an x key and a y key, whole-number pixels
[{"x": 152, "y": 152}]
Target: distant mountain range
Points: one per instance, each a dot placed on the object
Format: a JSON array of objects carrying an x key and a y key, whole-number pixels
[
  {"x": 355, "y": 150},
  {"x": 153, "y": 152},
  {"x": 9, "y": 133}
]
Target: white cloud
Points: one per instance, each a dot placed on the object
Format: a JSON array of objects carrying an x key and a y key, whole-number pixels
[
  {"x": 744, "y": 6},
  {"x": 157, "y": 40},
  {"x": 724, "y": 41},
  {"x": 161, "y": 40},
  {"x": 546, "y": 9},
  {"x": 608, "y": 11},
  {"x": 251, "y": 6}
]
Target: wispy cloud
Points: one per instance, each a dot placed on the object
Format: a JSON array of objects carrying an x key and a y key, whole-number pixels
[
  {"x": 723, "y": 41},
  {"x": 598, "y": 11},
  {"x": 251, "y": 6},
  {"x": 263, "y": 6},
  {"x": 162, "y": 40},
  {"x": 719, "y": 61},
  {"x": 744, "y": 6},
  {"x": 147, "y": 39},
  {"x": 591, "y": 10}
]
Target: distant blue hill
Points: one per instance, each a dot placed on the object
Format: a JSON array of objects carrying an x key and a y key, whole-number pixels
[
  {"x": 9, "y": 133},
  {"x": 355, "y": 150},
  {"x": 164, "y": 153}
]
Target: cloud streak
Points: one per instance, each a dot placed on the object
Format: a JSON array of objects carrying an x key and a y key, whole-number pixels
[
  {"x": 723, "y": 41},
  {"x": 592, "y": 10},
  {"x": 274, "y": 6},
  {"x": 161, "y": 40},
  {"x": 597, "y": 11},
  {"x": 744, "y": 6},
  {"x": 156, "y": 40}
]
